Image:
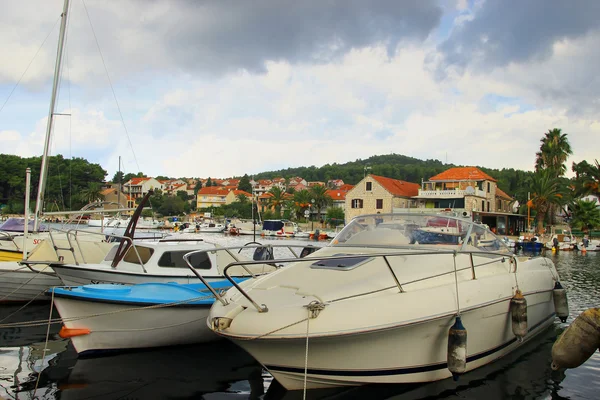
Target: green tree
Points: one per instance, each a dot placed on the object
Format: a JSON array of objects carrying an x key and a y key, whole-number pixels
[
  {"x": 92, "y": 193},
  {"x": 183, "y": 195},
  {"x": 276, "y": 199},
  {"x": 244, "y": 184},
  {"x": 335, "y": 216},
  {"x": 301, "y": 202},
  {"x": 119, "y": 177},
  {"x": 130, "y": 175},
  {"x": 587, "y": 178},
  {"x": 322, "y": 199},
  {"x": 585, "y": 215},
  {"x": 554, "y": 151},
  {"x": 209, "y": 182},
  {"x": 545, "y": 192},
  {"x": 242, "y": 198},
  {"x": 197, "y": 187},
  {"x": 172, "y": 205}
]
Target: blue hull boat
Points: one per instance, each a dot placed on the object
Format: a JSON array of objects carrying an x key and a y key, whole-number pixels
[{"x": 119, "y": 317}]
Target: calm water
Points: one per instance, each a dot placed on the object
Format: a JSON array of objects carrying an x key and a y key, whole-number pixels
[{"x": 220, "y": 370}]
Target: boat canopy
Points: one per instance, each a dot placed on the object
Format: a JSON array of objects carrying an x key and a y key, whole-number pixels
[
  {"x": 273, "y": 225},
  {"x": 418, "y": 230},
  {"x": 18, "y": 225}
]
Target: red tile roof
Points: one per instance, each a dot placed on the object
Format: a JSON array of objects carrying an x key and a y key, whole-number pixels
[
  {"x": 462, "y": 174},
  {"x": 337, "y": 194},
  {"x": 213, "y": 190},
  {"x": 137, "y": 181},
  {"x": 501, "y": 193},
  {"x": 346, "y": 187},
  {"x": 398, "y": 187},
  {"x": 238, "y": 192}
]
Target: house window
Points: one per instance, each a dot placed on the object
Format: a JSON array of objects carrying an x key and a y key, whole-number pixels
[
  {"x": 499, "y": 205},
  {"x": 482, "y": 205},
  {"x": 379, "y": 204},
  {"x": 357, "y": 203},
  {"x": 488, "y": 206},
  {"x": 489, "y": 187},
  {"x": 369, "y": 186}
]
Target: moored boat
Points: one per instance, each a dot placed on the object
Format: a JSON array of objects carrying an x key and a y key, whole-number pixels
[
  {"x": 119, "y": 317},
  {"x": 383, "y": 303}
]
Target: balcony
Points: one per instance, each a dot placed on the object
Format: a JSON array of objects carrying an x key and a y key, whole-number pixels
[{"x": 448, "y": 194}]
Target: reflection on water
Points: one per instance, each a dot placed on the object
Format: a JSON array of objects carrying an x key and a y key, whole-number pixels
[{"x": 220, "y": 370}]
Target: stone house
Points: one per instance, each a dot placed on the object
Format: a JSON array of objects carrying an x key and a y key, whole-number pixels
[{"x": 375, "y": 194}]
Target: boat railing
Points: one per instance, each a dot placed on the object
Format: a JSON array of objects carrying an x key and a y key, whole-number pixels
[
  {"x": 245, "y": 263},
  {"x": 74, "y": 243},
  {"x": 9, "y": 238},
  {"x": 502, "y": 256}
]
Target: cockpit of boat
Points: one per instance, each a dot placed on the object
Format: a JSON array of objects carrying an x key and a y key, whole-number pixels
[{"x": 416, "y": 230}]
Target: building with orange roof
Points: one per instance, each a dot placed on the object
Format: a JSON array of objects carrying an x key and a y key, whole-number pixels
[
  {"x": 232, "y": 196},
  {"x": 138, "y": 187},
  {"x": 474, "y": 194},
  {"x": 375, "y": 194},
  {"x": 121, "y": 200},
  {"x": 211, "y": 196}
]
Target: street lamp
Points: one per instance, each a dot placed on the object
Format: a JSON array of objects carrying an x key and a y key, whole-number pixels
[{"x": 312, "y": 219}]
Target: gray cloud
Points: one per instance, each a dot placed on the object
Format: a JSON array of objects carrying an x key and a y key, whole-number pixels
[
  {"x": 505, "y": 31},
  {"x": 226, "y": 35}
]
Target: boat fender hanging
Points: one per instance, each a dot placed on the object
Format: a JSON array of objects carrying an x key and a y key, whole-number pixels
[
  {"x": 457, "y": 349},
  {"x": 578, "y": 342},
  {"x": 561, "y": 304},
  {"x": 518, "y": 310}
]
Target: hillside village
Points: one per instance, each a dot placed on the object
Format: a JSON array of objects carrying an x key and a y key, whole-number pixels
[{"x": 465, "y": 190}]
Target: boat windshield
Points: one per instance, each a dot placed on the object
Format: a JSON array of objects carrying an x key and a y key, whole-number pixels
[{"x": 418, "y": 230}]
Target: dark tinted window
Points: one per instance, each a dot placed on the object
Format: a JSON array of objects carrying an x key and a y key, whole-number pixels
[{"x": 174, "y": 259}]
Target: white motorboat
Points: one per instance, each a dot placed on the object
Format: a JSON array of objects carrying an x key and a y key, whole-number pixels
[
  {"x": 384, "y": 303},
  {"x": 157, "y": 261},
  {"x": 119, "y": 317},
  {"x": 244, "y": 227},
  {"x": 279, "y": 227},
  {"x": 27, "y": 280}
]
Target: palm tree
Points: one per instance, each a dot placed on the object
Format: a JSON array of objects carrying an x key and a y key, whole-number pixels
[
  {"x": 320, "y": 196},
  {"x": 546, "y": 192},
  {"x": 92, "y": 193},
  {"x": 242, "y": 198},
  {"x": 585, "y": 215},
  {"x": 277, "y": 198},
  {"x": 587, "y": 178},
  {"x": 301, "y": 202},
  {"x": 554, "y": 151}
]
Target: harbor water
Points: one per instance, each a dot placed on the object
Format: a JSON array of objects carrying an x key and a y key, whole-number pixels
[{"x": 33, "y": 368}]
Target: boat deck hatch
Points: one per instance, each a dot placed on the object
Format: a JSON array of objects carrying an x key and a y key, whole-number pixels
[{"x": 344, "y": 264}]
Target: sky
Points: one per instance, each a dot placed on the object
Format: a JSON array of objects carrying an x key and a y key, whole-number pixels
[{"x": 224, "y": 88}]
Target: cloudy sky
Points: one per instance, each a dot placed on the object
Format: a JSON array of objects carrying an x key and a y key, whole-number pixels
[{"x": 222, "y": 88}]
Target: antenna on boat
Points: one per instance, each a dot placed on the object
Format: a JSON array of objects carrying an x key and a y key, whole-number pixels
[{"x": 44, "y": 167}]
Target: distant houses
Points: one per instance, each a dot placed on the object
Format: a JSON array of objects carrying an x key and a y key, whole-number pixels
[{"x": 467, "y": 191}]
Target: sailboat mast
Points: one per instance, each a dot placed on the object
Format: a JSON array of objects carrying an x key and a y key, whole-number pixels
[{"x": 44, "y": 168}]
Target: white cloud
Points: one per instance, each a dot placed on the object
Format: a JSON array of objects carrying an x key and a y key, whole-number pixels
[{"x": 366, "y": 101}]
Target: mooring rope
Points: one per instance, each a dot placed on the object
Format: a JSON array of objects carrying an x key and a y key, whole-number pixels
[{"x": 37, "y": 381}]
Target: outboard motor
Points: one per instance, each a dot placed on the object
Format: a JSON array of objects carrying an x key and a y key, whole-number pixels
[
  {"x": 263, "y": 253},
  {"x": 308, "y": 250}
]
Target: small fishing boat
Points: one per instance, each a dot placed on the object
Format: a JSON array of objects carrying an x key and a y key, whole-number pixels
[
  {"x": 117, "y": 317},
  {"x": 390, "y": 300}
]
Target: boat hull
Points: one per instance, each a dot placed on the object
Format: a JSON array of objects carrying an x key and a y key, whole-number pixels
[
  {"x": 10, "y": 255},
  {"x": 404, "y": 354},
  {"x": 129, "y": 325},
  {"x": 73, "y": 276},
  {"x": 19, "y": 283}
]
